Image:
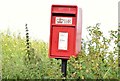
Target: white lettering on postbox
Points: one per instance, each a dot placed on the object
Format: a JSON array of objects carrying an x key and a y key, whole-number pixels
[
  {"x": 63, "y": 41},
  {"x": 63, "y": 20}
]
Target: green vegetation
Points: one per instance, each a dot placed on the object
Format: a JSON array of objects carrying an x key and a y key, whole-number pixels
[{"x": 96, "y": 60}]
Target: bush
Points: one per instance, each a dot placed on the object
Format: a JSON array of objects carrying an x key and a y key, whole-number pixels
[{"x": 97, "y": 59}]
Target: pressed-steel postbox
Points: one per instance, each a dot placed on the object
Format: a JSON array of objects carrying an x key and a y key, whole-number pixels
[{"x": 65, "y": 31}]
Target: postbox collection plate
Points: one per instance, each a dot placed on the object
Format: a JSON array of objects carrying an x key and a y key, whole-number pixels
[{"x": 63, "y": 41}]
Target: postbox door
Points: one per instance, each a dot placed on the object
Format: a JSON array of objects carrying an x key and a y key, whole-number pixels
[{"x": 63, "y": 41}]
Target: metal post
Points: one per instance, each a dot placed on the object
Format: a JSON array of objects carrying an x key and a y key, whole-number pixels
[{"x": 64, "y": 67}]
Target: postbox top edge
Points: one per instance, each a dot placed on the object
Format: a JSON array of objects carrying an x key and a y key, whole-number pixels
[{"x": 59, "y": 5}]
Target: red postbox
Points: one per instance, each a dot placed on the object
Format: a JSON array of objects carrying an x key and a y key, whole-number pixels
[{"x": 65, "y": 31}]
